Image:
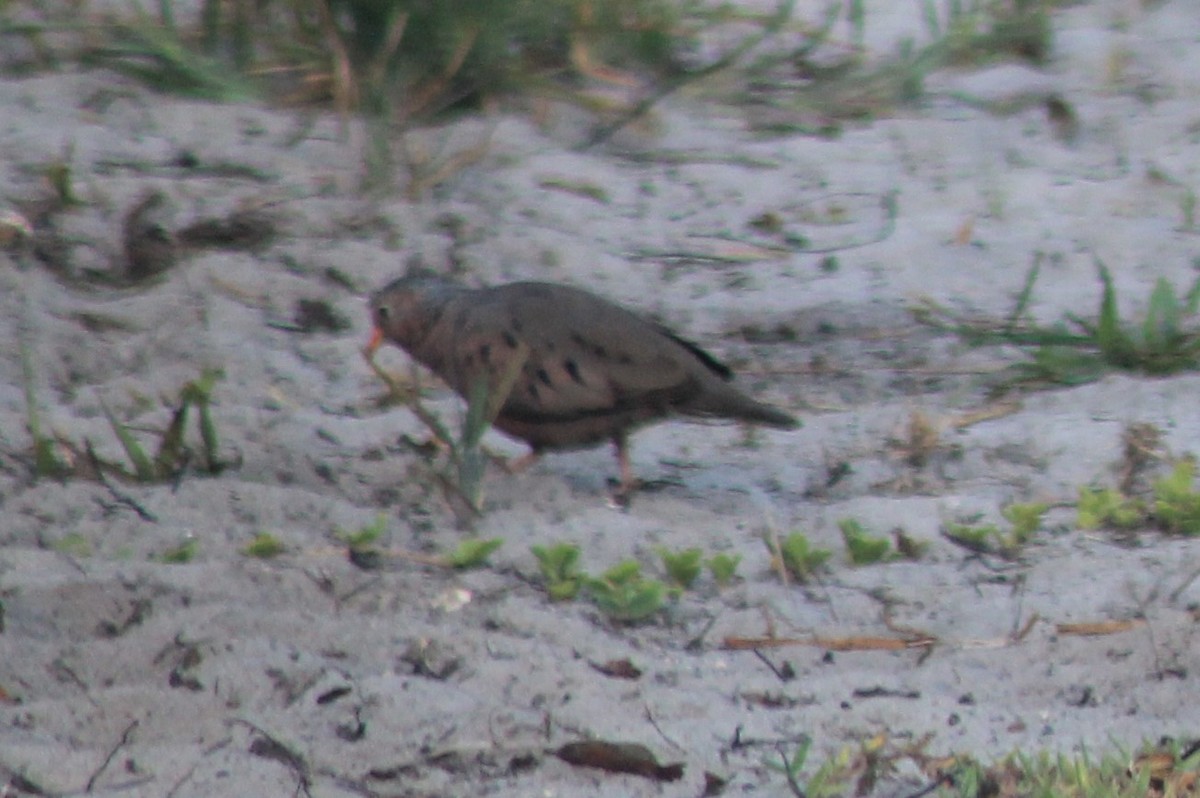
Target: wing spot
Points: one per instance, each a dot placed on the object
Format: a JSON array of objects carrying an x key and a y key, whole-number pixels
[
  {"x": 533, "y": 391},
  {"x": 485, "y": 353},
  {"x": 544, "y": 376},
  {"x": 515, "y": 323},
  {"x": 573, "y": 370},
  {"x": 511, "y": 339}
]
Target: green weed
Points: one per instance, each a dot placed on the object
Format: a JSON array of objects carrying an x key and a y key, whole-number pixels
[
  {"x": 797, "y": 556},
  {"x": 1176, "y": 502},
  {"x": 185, "y": 552},
  {"x": 473, "y": 553},
  {"x": 863, "y": 548},
  {"x": 1024, "y": 520},
  {"x": 683, "y": 566},
  {"x": 624, "y": 595},
  {"x": 559, "y": 565},
  {"x": 1099, "y": 507},
  {"x": 723, "y": 567},
  {"x": 1081, "y": 350},
  {"x": 264, "y": 546}
]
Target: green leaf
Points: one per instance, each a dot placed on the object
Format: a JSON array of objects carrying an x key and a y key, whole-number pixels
[
  {"x": 682, "y": 566},
  {"x": 1025, "y": 518},
  {"x": 185, "y": 552},
  {"x": 143, "y": 469},
  {"x": 863, "y": 548},
  {"x": 1160, "y": 329},
  {"x": 263, "y": 546},
  {"x": 723, "y": 567},
  {"x": 1176, "y": 503},
  {"x": 800, "y": 559},
  {"x": 473, "y": 553}
]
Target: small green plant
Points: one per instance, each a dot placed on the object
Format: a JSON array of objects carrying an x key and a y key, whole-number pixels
[
  {"x": 74, "y": 544},
  {"x": 462, "y": 479},
  {"x": 798, "y": 556},
  {"x": 830, "y": 779},
  {"x": 173, "y": 454},
  {"x": 365, "y": 538},
  {"x": 1176, "y": 502},
  {"x": 1098, "y": 507},
  {"x": 46, "y": 462},
  {"x": 682, "y": 566},
  {"x": 907, "y": 546},
  {"x": 473, "y": 553},
  {"x": 1160, "y": 770},
  {"x": 1082, "y": 350},
  {"x": 559, "y": 565},
  {"x": 863, "y": 548},
  {"x": 723, "y": 567},
  {"x": 185, "y": 552},
  {"x": 1026, "y": 519},
  {"x": 264, "y": 546},
  {"x": 624, "y": 595},
  {"x": 976, "y": 537}
]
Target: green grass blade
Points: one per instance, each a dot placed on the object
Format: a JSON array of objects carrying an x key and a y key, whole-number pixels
[
  {"x": 1161, "y": 326},
  {"x": 1114, "y": 342},
  {"x": 170, "y": 448},
  {"x": 143, "y": 469},
  {"x": 1026, "y": 295}
]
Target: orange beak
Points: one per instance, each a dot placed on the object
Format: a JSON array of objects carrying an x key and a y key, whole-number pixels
[{"x": 373, "y": 344}]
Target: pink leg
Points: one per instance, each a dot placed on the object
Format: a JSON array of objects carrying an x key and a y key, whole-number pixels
[
  {"x": 629, "y": 482},
  {"x": 522, "y": 463}
]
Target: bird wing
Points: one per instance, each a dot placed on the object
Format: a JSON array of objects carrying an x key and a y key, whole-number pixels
[{"x": 584, "y": 356}]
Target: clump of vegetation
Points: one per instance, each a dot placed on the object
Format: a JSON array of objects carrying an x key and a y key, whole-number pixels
[
  {"x": 264, "y": 546},
  {"x": 183, "y": 553},
  {"x": 362, "y": 544},
  {"x": 1081, "y": 350},
  {"x": 682, "y": 566},
  {"x": 173, "y": 454},
  {"x": 1024, "y": 521},
  {"x": 797, "y": 557},
  {"x": 723, "y": 567},
  {"x": 862, "y": 547},
  {"x": 559, "y": 565},
  {"x": 473, "y": 553},
  {"x": 60, "y": 458},
  {"x": 1174, "y": 508},
  {"x": 462, "y": 478},
  {"x": 624, "y": 595}
]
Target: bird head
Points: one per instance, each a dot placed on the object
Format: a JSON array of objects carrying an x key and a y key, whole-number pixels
[{"x": 405, "y": 310}]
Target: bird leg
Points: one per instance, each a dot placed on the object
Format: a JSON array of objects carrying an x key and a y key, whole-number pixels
[
  {"x": 520, "y": 464},
  {"x": 629, "y": 483}
]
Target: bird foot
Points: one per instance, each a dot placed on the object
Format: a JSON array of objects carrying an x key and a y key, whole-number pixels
[{"x": 515, "y": 465}]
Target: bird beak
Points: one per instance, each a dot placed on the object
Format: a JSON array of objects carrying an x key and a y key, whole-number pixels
[{"x": 373, "y": 344}]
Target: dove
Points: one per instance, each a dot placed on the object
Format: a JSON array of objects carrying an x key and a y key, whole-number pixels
[{"x": 587, "y": 371}]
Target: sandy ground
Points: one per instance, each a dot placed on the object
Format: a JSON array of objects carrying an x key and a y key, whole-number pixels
[{"x": 125, "y": 675}]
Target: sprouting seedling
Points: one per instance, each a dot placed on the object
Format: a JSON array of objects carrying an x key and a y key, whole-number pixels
[
  {"x": 723, "y": 567},
  {"x": 559, "y": 566},
  {"x": 45, "y": 461},
  {"x": 862, "y": 547},
  {"x": 473, "y": 553},
  {"x": 173, "y": 454},
  {"x": 798, "y": 556},
  {"x": 682, "y": 566},
  {"x": 624, "y": 595}
]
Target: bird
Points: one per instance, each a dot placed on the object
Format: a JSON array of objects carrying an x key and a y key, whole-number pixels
[{"x": 587, "y": 370}]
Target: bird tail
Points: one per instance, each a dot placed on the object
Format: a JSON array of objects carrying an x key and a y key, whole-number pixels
[
  {"x": 723, "y": 401},
  {"x": 759, "y": 413}
]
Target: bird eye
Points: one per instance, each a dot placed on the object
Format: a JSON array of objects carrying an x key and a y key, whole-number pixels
[{"x": 382, "y": 313}]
